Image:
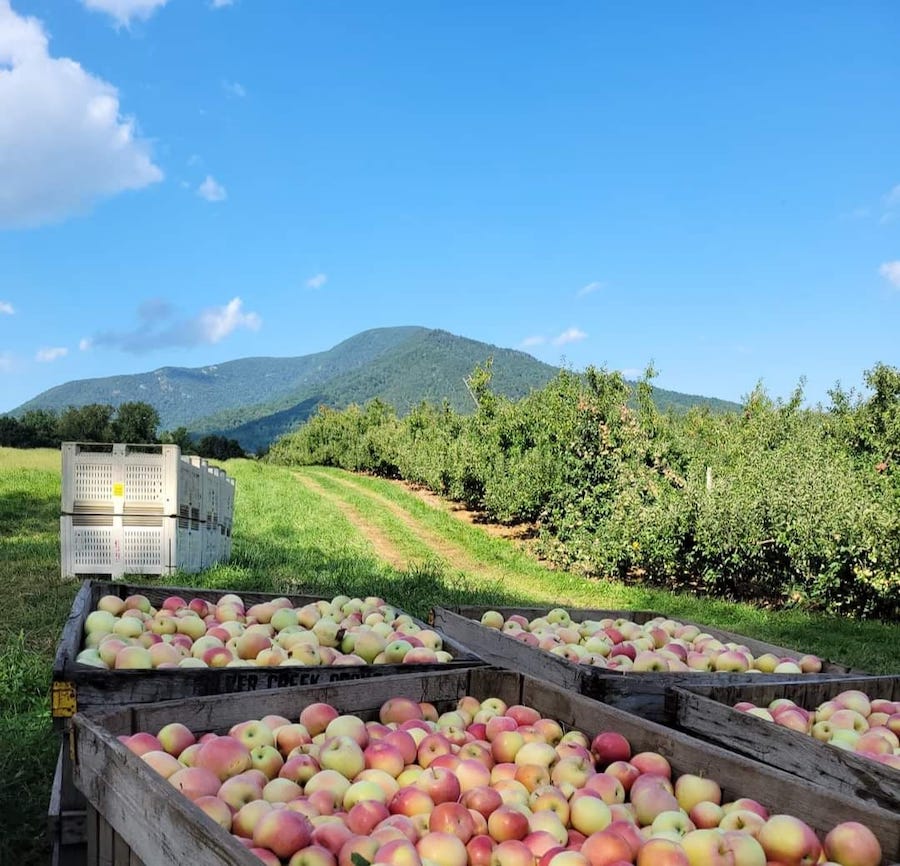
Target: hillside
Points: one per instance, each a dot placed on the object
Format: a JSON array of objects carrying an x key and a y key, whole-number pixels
[{"x": 255, "y": 400}]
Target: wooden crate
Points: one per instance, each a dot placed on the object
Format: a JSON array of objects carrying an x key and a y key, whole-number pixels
[
  {"x": 640, "y": 693},
  {"x": 76, "y": 686},
  {"x": 707, "y": 712},
  {"x": 79, "y": 686},
  {"x": 124, "y": 791}
]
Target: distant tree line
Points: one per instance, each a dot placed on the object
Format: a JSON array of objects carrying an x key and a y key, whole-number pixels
[{"x": 134, "y": 422}]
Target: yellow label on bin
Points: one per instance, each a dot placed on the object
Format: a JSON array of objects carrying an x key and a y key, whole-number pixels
[
  {"x": 118, "y": 489},
  {"x": 62, "y": 700}
]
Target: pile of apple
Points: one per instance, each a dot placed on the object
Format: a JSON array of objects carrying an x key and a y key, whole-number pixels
[
  {"x": 485, "y": 784},
  {"x": 130, "y": 633},
  {"x": 658, "y": 645},
  {"x": 851, "y": 720}
]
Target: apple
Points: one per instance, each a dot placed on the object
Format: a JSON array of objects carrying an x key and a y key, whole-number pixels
[
  {"x": 662, "y": 852},
  {"x": 852, "y": 844},
  {"x": 195, "y": 782},
  {"x": 443, "y": 849},
  {"x": 410, "y": 801},
  {"x": 162, "y": 762},
  {"x": 745, "y": 849},
  {"x": 454, "y": 818},
  {"x": 743, "y": 820},
  {"x": 589, "y": 814},
  {"x": 355, "y": 847},
  {"x": 332, "y": 786},
  {"x": 605, "y": 847},
  {"x": 788, "y": 839},
  {"x": 507, "y": 822},
  {"x": 175, "y": 738},
  {"x": 316, "y": 717},
  {"x": 691, "y": 789},
  {"x": 707, "y": 848},
  {"x": 512, "y": 852},
  {"x": 440, "y": 784},
  {"x": 343, "y": 754},
  {"x": 482, "y": 799},
  {"x": 607, "y": 787},
  {"x": 225, "y": 756},
  {"x": 399, "y": 709},
  {"x": 674, "y": 823},
  {"x": 652, "y": 762},
  {"x": 706, "y": 815},
  {"x": 280, "y": 790},
  {"x": 238, "y": 791},
  {"x": 610, "y": 746},
  {"x": 625, "y": 772}
]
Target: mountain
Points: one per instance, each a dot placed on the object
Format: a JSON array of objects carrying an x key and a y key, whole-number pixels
[{"x": 255, "y": 400}]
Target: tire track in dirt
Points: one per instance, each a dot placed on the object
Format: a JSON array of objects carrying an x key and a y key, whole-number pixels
[
  {"x": 382, "y": 546},
  {"x": 457, "y": 557}
]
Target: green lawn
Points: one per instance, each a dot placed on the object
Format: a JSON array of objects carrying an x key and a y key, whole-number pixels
[{"x": 289, "y": 538}]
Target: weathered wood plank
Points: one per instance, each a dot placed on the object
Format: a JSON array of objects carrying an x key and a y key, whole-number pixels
[
  {"x": 121, "y": 851},
  {"x": 91, "y": 821},
  {"x": 104, "y": 841},
  {"x": 124, "y": 789},
  {"x": 807, "y": 693},
  {"x": 800, "y": 754}
]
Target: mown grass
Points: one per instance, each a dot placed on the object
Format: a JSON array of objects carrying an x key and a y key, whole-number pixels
[{"x": 289, "y": 539}]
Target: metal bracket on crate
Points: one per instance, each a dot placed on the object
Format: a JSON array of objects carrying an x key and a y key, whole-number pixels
[{"x": 63, "y": 703}]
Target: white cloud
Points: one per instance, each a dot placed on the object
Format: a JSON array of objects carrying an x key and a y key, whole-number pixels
[
  {"x": 631, "y": 372},
  {"x": 7, "y": 363},
  {"x": 590, "y": 288},
  {"x": 235, "y": 88},
  {"x": 63, "y": 143},
  {"x": 891, "y": 272},
  {"x": 86, "y": 344},
  {"x": 212, "y": 190},
  {"x": 216, "y": 323},
  {"x": 537, "y": 340},
  {"x": 51, "y": 353},
  {"x": 6, "y": 308},
  {"x": 570, "y": 335},
  {"x": 124, "y": 10},
  {"x": 159, "y": 327},
  {"x": 317, "y": 281},
  {"x": 221, "y": 4}
]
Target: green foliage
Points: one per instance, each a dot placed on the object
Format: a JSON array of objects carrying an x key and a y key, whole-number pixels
[
  {"x": 95, "y": 422},
  {"x": 218, "y": 448},
  {"x": 776, "y": 503},
  {"x": 135, "y": 422}
]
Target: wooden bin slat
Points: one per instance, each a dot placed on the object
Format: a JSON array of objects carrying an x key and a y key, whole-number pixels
[
  {"x": 636, "y": 692},
  {"x": 707, "y": 712},
  {"x": 124, "y": 789}
]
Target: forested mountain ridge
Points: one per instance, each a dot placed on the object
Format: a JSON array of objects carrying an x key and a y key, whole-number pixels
[{"x": 255, "y": 400}]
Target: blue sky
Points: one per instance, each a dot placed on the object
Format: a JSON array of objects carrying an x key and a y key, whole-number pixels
[{"x": 710, "y": 186}]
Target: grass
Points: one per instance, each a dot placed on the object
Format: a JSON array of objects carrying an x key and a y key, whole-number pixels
[{"x": 291, "y": 539}]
